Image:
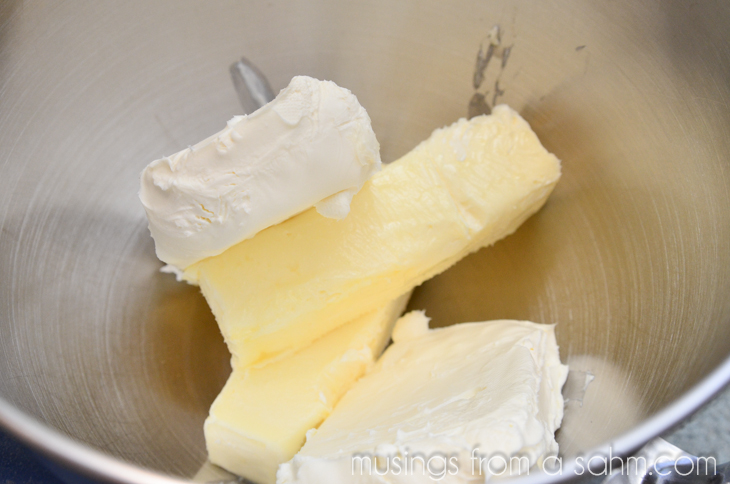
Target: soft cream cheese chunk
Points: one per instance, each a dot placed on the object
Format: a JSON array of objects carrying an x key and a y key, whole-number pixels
[
  {"x": 465, "y": 187},
  {"x": 454, "y": 399},
  {"x": 311, "y": 146},
  {"x": 264, "y": 412}
]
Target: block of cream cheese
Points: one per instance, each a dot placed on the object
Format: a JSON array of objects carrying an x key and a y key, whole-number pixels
[
  {"x": 441, "y": 403},
  {"x": 261, "y": 417},
  {"x": 311, "y": 146},
  {"x": 465, "y": 187}
]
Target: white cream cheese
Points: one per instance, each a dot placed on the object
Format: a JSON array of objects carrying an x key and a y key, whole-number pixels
[
  {"x": 313, "y": 145},
  {"x": 463, "y": 400}
]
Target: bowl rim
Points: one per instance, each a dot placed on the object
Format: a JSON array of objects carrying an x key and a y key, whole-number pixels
[{"x": 87, "y": 461}]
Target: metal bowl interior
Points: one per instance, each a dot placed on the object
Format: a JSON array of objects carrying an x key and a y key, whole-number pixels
[{"x": 630, "y": 257}]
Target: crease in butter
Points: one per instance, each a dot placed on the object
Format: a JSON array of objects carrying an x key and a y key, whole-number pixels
[{"x": 263, "y": 414}]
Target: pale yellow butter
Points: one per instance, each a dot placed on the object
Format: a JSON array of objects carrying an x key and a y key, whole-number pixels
[
  {"x": 467, "y": 186},
  {"x": 261, "y": 417}
]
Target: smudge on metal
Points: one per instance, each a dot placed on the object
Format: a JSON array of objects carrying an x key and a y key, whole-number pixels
[{"x": 478, "y": 105}]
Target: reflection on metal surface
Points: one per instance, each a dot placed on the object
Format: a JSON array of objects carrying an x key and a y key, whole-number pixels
[
  {"x": 607, "y": 406},
  {"x": 575, "y": 387},
  {"x": 630, "y": 257},
  {"x": 492, "y": 46},
  {"x": 212, "y": 474},
  {"x": 641, "y": 468},
  {"x": 251, "y": 85}
]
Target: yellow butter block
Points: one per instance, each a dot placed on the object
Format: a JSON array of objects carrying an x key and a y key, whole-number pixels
[
  {"x": 261, "y": 417},
  {"x": 467, "y": 186}
]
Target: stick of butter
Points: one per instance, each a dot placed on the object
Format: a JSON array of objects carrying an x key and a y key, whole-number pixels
[
  {"x": 261, "y": 417},
  {"x": 465, "y": 187},
  {"x": 458, "y": 405}
]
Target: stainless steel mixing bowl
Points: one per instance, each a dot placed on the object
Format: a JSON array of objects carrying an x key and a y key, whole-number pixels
[{"x": 110, "y": 366}]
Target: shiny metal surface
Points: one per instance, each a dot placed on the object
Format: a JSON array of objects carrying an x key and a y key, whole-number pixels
[
  {"x": 251, "y": 85},
  {"x": 656, "y": 453},
  {"x": 631, "y": 256}
]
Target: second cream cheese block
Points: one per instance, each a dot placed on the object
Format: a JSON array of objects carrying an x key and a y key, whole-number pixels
[
  {"x": 454, "y": 405},
  {"x": 465, "y": 187},
  {"x": 261, "y": 417}
]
